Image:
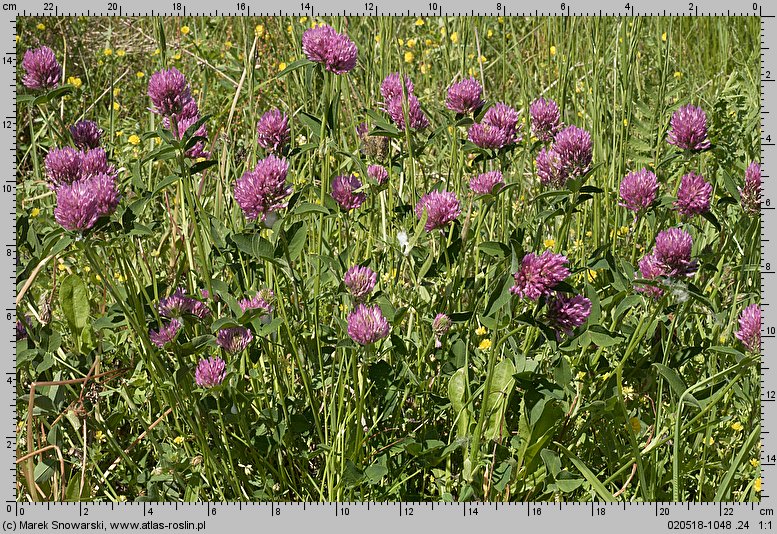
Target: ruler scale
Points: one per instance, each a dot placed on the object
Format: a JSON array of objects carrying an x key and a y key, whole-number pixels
[{"x": 383, "y": 516}]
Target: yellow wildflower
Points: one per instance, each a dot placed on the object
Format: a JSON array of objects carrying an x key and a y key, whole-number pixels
[
  {"x": 549, "y": 242},
  {"x": 625, "y": 122},
  {"x": 409, "y": 57},
  {"x": 140, "y": 74},
  {"x": 100, "y": 436},
  {"x": 410, "y": 43},
  {"x": 116, "y": 91},
  {"x": 40, "y": 26},
  {"x": 134, "y": 140},
  {"x": 552, "y": 50},
  {"x": 737, "y": 426},
  {"x": 757, "y": 485},
  {"x": 455, "y": 37},
  {"x": 75, "y": 81},
  {"x": 185, "y": 30},
  {"x": 425, "y": 68},
  {"x": 754, "y": 462},
  {"x": 281, "y": 66},
  {"x": 663, "y": 36},
  {"x": 259, "y": 30},
  {"x": 157, "y": 52},
  {"x": 303, "y": 20},
  {"x": 116, "y": 106},
  {"x": 178, "y": 440},
  {"x": 34, "y": 212},
  {"x": 481, "y": 331},
  {"x": 419, "y": 22},
  {"x": 108, "y": 52},
  {"x": 121, "y": 53},
  {"x": 485, "y": 345},
  {"x": 678, "y": 74},
  {"x": 490, "y": 34}
]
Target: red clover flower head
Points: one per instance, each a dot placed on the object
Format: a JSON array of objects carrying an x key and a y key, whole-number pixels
[
  {"x": 335, "y": 51},
  {"x": 391, "y": 87},
  {"x": 442, "y": 208},
  {"x": 234, "y": 340},
  {"x": 574, "y": 149},
  {"x": 549, "y": 168},
  {"x": 272, "y": 130},
  {"x": 166, "y": 334},
  {"x": 486, "y": 183},
  {"x": 264, "y": 190},
  {"x": 638, "y": 190},
  {"x": 415, "y": 114},
  {"x": 688, "y": 129},
  {"x": 41, "y": 70},
  {"x": 650, "y": 269},
  {"x": 545, "y": 119},
  {"x": 210, "y": 372},
  {"x": 367, "y": 325},
  {"x": 538, "y": 275},
  {"x": 749, "y": 332},
  {"x": 486, "y": 136},
  {"x": 693, "y": 195},
  {"x": 673, "y": 252},
  {"x": 86, "y": 134},
  {"x": 465, "y": 96},
  {"x": 440, "y": 326},
  {"x": 344, "y": 191},
  {"x": 750, "y": 194},
  {"x": 360, "y": 281},
  {"x": 378, "y": 173},
  {"x": 169, "y": 92},
  {"x": 261, "y": 301},
  {"x": 504, "y": 118},
  {"x": 567, "y": 313},
  {"x": 81, "y": 203},
  {"x": 63, "y": 166}
]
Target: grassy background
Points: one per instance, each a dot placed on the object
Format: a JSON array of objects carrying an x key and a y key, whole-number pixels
[{"x": 307, "y": 415}]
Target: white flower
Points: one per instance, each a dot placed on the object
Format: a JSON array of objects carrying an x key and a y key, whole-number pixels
[{"x": 403, "y": 242}]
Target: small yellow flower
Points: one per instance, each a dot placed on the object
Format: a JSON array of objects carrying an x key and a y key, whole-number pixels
[
  {"x": 259, "y": 30},
  {"x": 455, "y": 37},
  {"x": 549, "y": 242},
  {"x": 100, "y": 436},
  {"x": 580, "y": 376},
  {"x": 754, "y": 462},
  {"x": 289, "y": 30},
  {"x": 121, "y": 53},
  {"x": 303, "y": 20},
  {"x": 481, "y": 331},
  {"x": 140, "y": 74},
  {"x": 591, "y": 275},
  {"x": 178, "y": 440},
  {"x": 87, "y": 269},
  {"x": 625, "y": 122},
  {"x": 40, "y": 26},
  {"x": 281, "y": 66},
  {"x": 482, "y": 59},
  {"x": 401, "y": 41},
  {"x": 157, "y": 52},
  {"x": 722, "y": 339},
  {"x": 552, "y": 50},
  {"x": 485, "y": 345},
  {"x": 678, "y": 74},
  {"x": 737, "y": 426},
  {"x": 185, "y": 30},
  {"x": 623, "y": 231},
  {"x": 116, "y": 91},
  {"x": 490, "y": 34},
  {"x": 108, "y": 52},
  {"x": 75, "y": 81},
  {"x": 710, "y": 441},
  {"x": 34, "y": 212},
  {"x": 419, "y": 22},
  {"x": 409, "y": 57},
  {"x": 663, "y": 37},
  {"x": 116, "y": 106},
  {"x": 501, "y": 20},
  {"x": 757, "y": 485},
  {"x": 17, "y": 38},
  {"x": 636, "y": 426},
  {"x": 119, "y": 133},
  {"x": 228, "y": 44},
  {"x": 425, "y": 68},
  {"x": 177, "y": 56},
  {"x": 428, "y": 42},
  {"x": 377, "y": 38},
  {"x": 134, "y": 140},
  {"x": 411, "y": 43}
]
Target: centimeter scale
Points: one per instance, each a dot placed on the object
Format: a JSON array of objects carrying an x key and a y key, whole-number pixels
[{"x": 379, "y": 516}]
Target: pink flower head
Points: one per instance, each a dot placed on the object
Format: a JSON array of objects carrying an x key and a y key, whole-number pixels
[
  {"x": 549, "y": 168},
  {"x": 360, "y": 281},
  {"x": 574, "y": 149},
  {"x": 688, "y": 129},
  {"x": 638, "y": 190},
  {"x": 166, "y": 334},
  {"x": 650, "y": 269},
  {"x": 63, "y": 166},
  {"x": 567, "y": 313},
  {"x": 179, "y": 304},
  {"x": 264, "y": 190},
  {"x": 210, "y": 372},
  {"x": 41, "y": 70},
  {"x": 81, "y": 203},
  {"x": 335, "y": 51},
  {"x": 749, "y": 332},
  {"x": 169, "y": 91},
  {"x": 367, "y": 325},
  {"x": 261, "y": 301},
  {"x": 345, "y": 192},
  {"x": 693, "y": 196},
  {"x": 234, "y": 340},
  {"x": 539, "y": 274},
  {"x": 465, "y": 96},
  {"x": 272, "y": 130},
  {"x": 442, "y": 207},
  {"x": 391, "y": 87},
  {"x": 378, "y": 173},
  {"x": 440, "y": 326},
  {"x": 486, "y": 183},
  {"x": 673, "y": 252},
  {"x": 486, "y": 136},
  {"x": 505, "y": 118},
  {"x": 86, "y": 134},
  {"x": 750, "y": 194},
  {"x": 545, "y": 119},
  {"x": 417, "y": 119}
]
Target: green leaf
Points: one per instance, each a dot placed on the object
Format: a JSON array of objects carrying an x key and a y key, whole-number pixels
[
  {"x": 307, "y": 207},
  {"x": 496, "y": 400},
  {"x": 74, "y": 300},
  {"x": 495, "y": 249},
  {"x": 595, "y": 483},
  {"x": 457, "y": 394},
  {"x": 676, "y": 384},
  {"x": 294, "y": 65}
]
